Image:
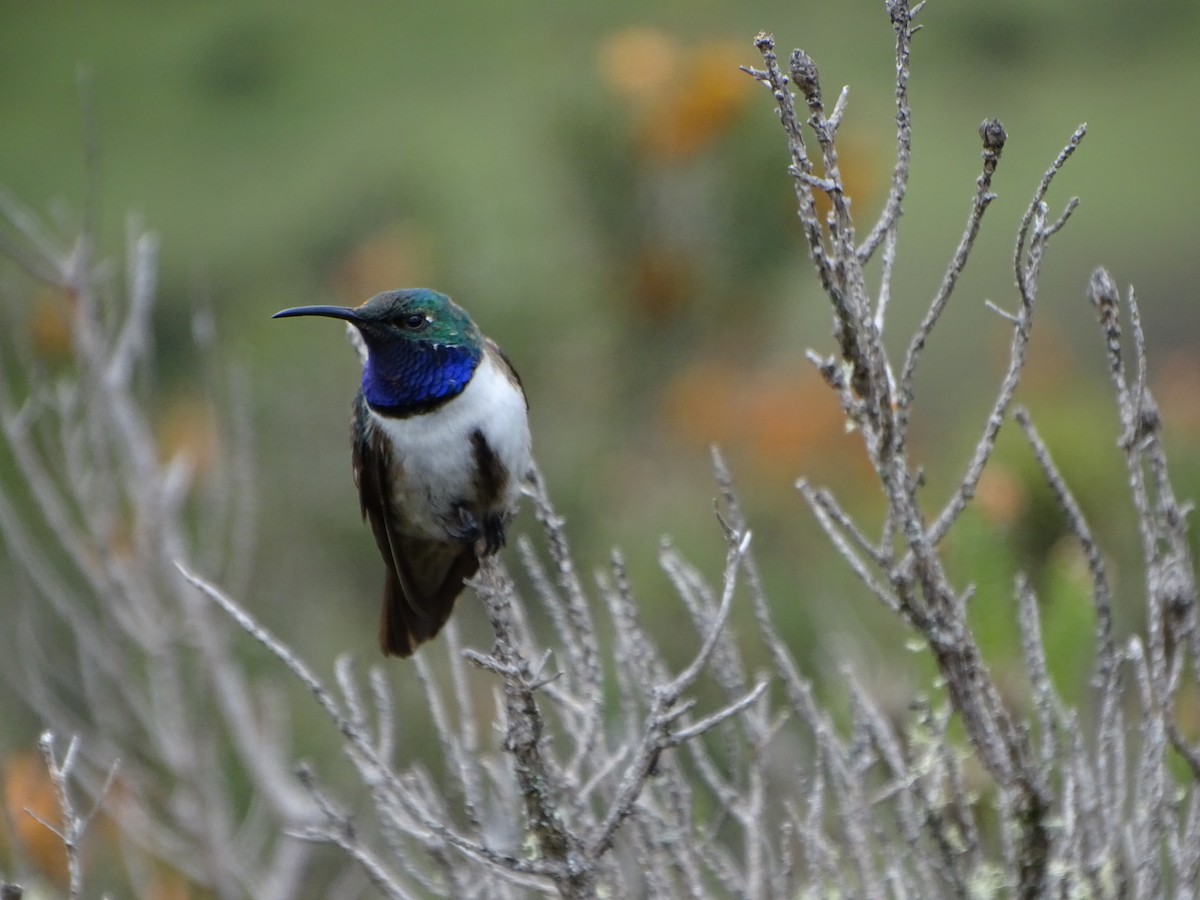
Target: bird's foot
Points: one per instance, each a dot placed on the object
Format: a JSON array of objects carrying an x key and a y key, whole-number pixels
[
  {"x": 493, "y": 533},
  {"x": 464, "y": 527}
]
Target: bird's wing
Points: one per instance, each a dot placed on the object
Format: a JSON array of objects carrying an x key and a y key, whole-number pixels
[{"x": 424, "y": 577}]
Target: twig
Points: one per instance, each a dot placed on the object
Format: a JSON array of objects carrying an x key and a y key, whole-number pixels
[
  {"x": 1027, "y": 270},
  {"x": 993, "y": 136},
  {"x": 341, "y": 832},
  {"x": 74, "y": 827},
  {"x": 836, "y": 525},
  {"x": 278, "y": 649},
  {"x": 902, "y": 18},
  {"x": 665, "y": 710},
  {"x": 538, "y": 777},
  {"x": 1029, "y": 236},
  {"x": 1101, "y": 590}
]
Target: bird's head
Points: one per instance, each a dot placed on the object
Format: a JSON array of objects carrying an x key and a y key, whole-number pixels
[{"x": 422, "y": 347}]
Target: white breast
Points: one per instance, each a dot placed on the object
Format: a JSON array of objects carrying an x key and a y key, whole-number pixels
[{"x": 435, "y": 454}]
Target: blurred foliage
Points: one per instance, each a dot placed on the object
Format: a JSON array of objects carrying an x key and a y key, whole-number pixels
[{"x": 607, "y": 194}]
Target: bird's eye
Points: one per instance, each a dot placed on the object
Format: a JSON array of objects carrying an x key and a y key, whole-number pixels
[{"x": 415, "y": 321}]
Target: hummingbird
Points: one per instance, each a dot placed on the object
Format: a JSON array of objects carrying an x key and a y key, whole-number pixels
[{"x": 440, "y": 448}]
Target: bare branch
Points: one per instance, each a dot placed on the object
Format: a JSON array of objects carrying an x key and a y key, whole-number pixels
[
  {"x": 1101, "y": 590},
  {"x": 993, "y": 136},
  {"x": 902, "y": 18}
]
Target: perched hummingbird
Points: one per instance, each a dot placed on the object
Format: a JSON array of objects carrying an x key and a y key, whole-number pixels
[{"x": 440, "y": 439}]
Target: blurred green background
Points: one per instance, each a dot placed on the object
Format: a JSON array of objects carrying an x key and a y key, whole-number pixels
[{"x": 606, "y": 193}]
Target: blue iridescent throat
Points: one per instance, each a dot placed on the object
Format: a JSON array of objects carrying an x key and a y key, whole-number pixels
[{"x": 415, "y": 377}]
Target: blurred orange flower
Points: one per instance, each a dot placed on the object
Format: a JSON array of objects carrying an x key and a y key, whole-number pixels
[
  {"x": 701, "y": 403},
  {"x": 639, "y": 63},
  {"x": 684, "y": 98},
  {"x": 188, "y": 427},
  {"x": 398, "y": 255},
  {"x": 50, "y": 326},
  {"x": 663, "y": 281},
  {"x": 787, "y": 419},
  {"x": 1000, "y": 495}
]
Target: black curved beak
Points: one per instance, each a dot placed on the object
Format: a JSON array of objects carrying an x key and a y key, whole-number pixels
[{"x": 331, "y": 312}]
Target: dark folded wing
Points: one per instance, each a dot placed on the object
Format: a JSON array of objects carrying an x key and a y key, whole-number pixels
[{"x": 424, "y": 577}]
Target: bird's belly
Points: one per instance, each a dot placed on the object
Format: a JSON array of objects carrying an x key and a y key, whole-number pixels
[{"x": 435, "y": 455}]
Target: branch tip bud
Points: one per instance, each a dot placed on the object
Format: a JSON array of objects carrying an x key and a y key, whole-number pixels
[
  {"x": 804, "y": 73},
  {"x": 993, "y": 135}
]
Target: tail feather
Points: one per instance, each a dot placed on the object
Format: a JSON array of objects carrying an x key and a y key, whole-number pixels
[{"x": 420, "y": 591}]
